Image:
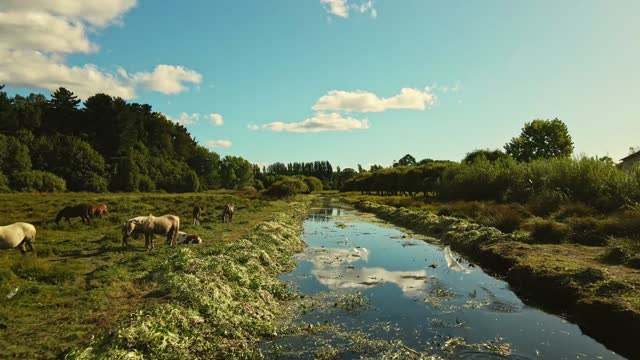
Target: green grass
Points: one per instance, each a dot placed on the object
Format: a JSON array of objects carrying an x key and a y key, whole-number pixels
[{"x": 83, "y": 284}]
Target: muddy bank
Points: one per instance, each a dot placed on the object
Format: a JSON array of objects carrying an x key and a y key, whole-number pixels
[
  {"x": 216, "y": 303},
  {"x": 565, "y": 279}
]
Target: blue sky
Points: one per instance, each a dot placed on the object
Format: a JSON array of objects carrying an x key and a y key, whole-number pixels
[{"x": 472, "y": 72}]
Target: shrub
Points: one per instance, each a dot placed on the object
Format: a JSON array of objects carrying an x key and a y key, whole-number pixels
[
  {"x": 506, "y": 218},
  {"x": 548, "y": 231},
  {"x": 546, "y": 201},
  {"x": 258, "y": 184},
  {"x": 38, "y": 181},
  {"x": 616, "y": 255},
  {"x": 313, "y": 183},
  {"x": 4, "y": 184},
  {"x": 574, "y": 209},
  {"x": 588, "y": 230},
  {"x": 287, "y": 187}
]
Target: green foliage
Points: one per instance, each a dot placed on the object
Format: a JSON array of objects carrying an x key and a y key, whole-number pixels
[
  {"x": 108, "y": 144},
  {"x": 4, "y": 184},
  {"x": 236, "y": 172},
  {"x": 541, "y": 139},
  {"x": 484, "y": 154},
  {"x": 38, "y": 181},
  {"x": 314, "y": 184},
  {"x": 407, "y": 160},
  {"x": 287, "y": 186},
  {"x": 548, "y": 231}
]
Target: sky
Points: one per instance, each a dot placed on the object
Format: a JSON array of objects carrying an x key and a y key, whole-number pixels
[{"x": 349, "y": 81}]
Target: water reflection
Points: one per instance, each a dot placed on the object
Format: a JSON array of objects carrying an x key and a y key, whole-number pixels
[{"x": 427, "y": 299}]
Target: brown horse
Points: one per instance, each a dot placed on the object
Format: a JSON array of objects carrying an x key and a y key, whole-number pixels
[
  {"x": 149, "y": 226},
  {"x": 196, "y": 215},
  {"x": 227, "y": 213},
  {"x": 81, "y": 211},
  {"x": 98, "y": 210}
]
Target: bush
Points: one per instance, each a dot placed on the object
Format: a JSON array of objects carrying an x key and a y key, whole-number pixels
[
  {"x": 588, "y": 231},
  {"x": 313, "y": 183},
  {"x": 547, "y": 231},
  {"x": 287, "y": 187},
  {"x": 574, "y": 209},
  {"x": 506, "y": 218},
  {"x": 37, "y": 181},
  {"x": 546, "y": 201},
  {"x": 4, "y": 184}
]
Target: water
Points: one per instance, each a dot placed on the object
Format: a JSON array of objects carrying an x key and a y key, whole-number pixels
[{"x": 362, "y": 278}]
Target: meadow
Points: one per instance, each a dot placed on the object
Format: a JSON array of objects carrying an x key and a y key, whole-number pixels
[{"x": 83, "y": 285}]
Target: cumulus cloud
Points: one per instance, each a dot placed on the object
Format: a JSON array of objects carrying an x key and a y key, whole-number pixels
[
  {"x": 185, "y": 118},
  {"x": 341, "y": 8},
  {"x": 218, "y": 143},
  {"x": 318, "y": 123},
  {"x": 215, "y": 119},
  {"x": 167, "y": 79},
  {"x": 363, "y": 101},
  {"x": 37, "y": 35}
]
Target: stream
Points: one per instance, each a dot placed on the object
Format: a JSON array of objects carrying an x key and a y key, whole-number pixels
[{"x": 369, "y": 289}]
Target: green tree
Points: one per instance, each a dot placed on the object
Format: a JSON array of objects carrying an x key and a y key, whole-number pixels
[
  {"x": 484, "y": 154},
  {"x": 541, "y": 139},
  {"x": 236, "y": 172},
  {"x": 407, "y": 160}
]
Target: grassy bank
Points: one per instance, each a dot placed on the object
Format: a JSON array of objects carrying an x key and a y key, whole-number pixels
[
  {"x": 597, "y": 287},
  {"x": 86, "y": 297}
]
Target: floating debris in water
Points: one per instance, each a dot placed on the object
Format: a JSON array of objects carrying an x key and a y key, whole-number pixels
[
  {"x": 12, "y": 293},
  {"x": 451, "y": 261}
]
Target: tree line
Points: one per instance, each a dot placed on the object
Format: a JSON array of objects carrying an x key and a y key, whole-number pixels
[
  {"x": 534, "y": 166},
  {"x": 104, "y": 144}
]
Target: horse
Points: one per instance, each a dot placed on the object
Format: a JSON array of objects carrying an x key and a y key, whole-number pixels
[
  {"x": 98, "y": 210},
  {"x": 20, "y": 235},
  {"x": 151, "y": 225},
  {"x": 184, "y": 238},
  {"x": 81, "y": 211},
  {"x": 227, "y": 213},
  {"x": 196, "y": 215}
]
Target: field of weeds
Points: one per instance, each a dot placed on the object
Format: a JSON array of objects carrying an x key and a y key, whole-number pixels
[{"x": 85, "y": 296}]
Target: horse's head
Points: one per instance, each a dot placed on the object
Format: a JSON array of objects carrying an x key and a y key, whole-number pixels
[
  {"x": 127, "y": 229},
  {"x": 60, "y": 215}
]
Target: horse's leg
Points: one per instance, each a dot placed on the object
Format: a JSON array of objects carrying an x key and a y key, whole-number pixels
[
  {"x": 31, "y": 247},
  {"x": 68, "y": 220},
  {"x": 22, "y": 247}
]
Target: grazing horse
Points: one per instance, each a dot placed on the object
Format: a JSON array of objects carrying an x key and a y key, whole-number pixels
[
  {"x": 81, "y": 211},
  {"x": 184, "y": 238},
  {"x": 98, "y": 210},
  {"x": 227, "y": 213},
  {"x": 20, "y": 235},
  {"x": 151, "y": 225},
  {"x": 196, "y": 215}
]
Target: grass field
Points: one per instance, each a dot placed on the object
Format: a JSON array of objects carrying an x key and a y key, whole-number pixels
[{"x": 82, "y": 285}]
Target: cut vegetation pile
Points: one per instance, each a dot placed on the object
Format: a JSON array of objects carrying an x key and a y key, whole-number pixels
[{"x": 219, "y": 302}]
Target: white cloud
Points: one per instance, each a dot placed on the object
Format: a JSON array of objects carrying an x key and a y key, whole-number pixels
[
  {"x": 363, "y": 101},
  {"x": 37, "y": 35},
  {"x": 167, "y": 79},
  {"x": 318, "y": 123},
  {"x": 96, "y": 12},
  {"x": 185, "y": 119},
  {"x": 341, "y": 8},
  {"x": 253, "y": 126},
  {"x": 215, "y": 119},
  {"x": 218, "y": 143}
]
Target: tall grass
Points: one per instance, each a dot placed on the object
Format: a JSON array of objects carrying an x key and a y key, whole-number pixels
[{"x": 546, "y": 184}]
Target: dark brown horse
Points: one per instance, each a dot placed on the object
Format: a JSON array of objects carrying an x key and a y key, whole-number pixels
[
  {"x": 98, "y": 211},
  {"x": 196, "y": 215},
  {"x": 81, "y": 211}
]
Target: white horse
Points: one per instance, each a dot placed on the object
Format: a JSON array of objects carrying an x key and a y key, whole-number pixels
[
  {"x": 18, "y": 235},
  {"x": 151, "y": 225}
]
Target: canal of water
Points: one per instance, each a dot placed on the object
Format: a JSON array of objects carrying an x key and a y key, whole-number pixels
[{"x": 369, "y": 289}]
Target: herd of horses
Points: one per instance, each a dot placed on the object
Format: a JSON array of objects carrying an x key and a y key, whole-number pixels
[{"x": 22, "y": 235}]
